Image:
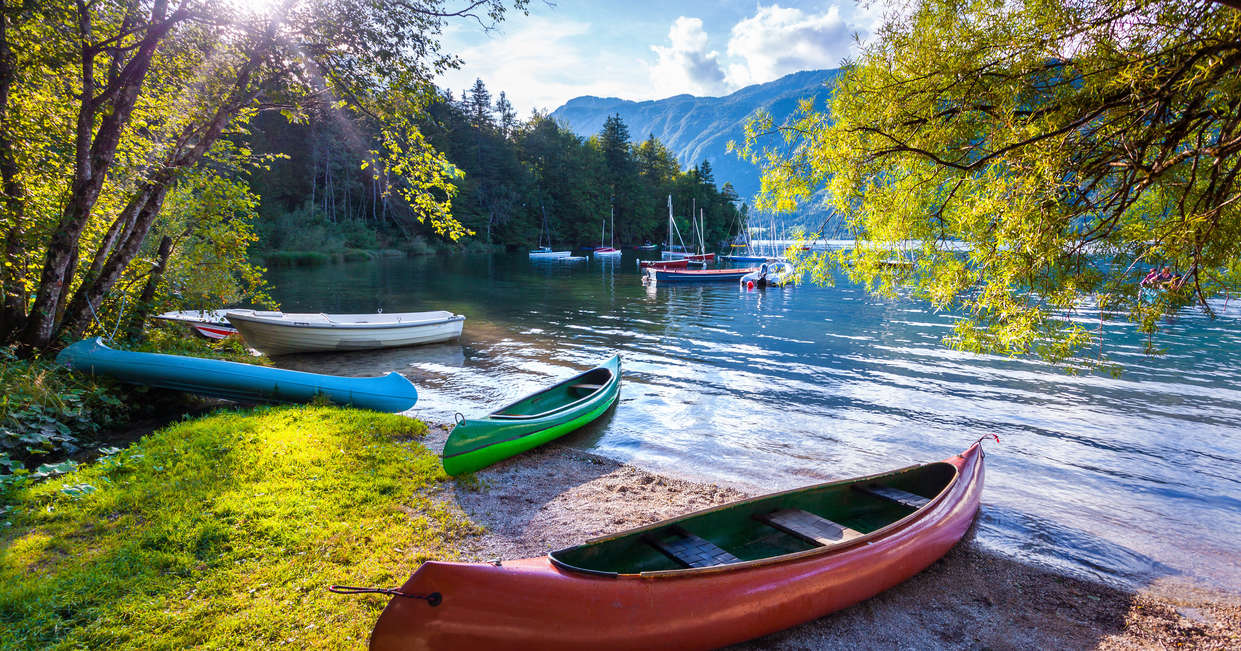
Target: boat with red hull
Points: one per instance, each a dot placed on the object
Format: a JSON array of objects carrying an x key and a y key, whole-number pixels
[
  {"x": 662, "y": 275},
  {"x": 705, "y": 580},
  {"x": 691, "y": 257},
  {"x": 663, "y": 264}
]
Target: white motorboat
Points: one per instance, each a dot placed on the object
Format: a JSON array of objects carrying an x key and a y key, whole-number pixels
[
  {"x": 278, "y": 333},
  {"x": 776, "y": 273},
  {"x": 212, "y": 324}
]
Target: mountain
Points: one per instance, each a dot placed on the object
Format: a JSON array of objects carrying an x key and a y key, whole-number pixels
[{"x": 698, "y": 128}]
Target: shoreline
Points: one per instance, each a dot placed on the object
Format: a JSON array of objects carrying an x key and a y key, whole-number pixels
[{"x": 556, "y": 496}]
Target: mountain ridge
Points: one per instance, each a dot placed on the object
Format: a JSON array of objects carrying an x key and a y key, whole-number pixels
[{"x": 698, "y": 128}]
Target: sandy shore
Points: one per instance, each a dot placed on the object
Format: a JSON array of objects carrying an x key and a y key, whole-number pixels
[{"x": 558, "y": 496}]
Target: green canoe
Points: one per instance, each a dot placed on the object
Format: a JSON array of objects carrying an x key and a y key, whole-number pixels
[{"x": 533, "y": 420}]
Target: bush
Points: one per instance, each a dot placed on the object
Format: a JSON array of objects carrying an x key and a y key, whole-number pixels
[
  {"x": 296, "y": 258},
  {"x": 47, "y": 411}
]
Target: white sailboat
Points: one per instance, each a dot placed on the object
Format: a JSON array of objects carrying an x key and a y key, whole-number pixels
[
  {"x": 546, "y": 252},
  {"x": 608, "y": 251}
]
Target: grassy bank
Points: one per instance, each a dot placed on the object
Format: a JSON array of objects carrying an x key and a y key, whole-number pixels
[
  {"x": 49, "y": 413},
  {"x": 224, "y": 530}
]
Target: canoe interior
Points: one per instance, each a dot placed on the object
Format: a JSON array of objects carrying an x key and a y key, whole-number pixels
[
  {"x": 742, "y": 531},
  {"x": 558, "y": 396}
]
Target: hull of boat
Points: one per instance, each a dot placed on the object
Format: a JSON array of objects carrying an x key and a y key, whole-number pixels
[
  {"x": 548, "y": 255},
  {"x": 663, "y": 264},
  {"x": 744, "y": 258},
  {"x": 607, "y": 253},
  {"x": 663, "y": 276},
  {"x": 478, "y": 443},
  {"x": 213, "y": 331},
  {"x": 534, "y": 604},
  {"x": 212, "y": 324},
  {"x": 693, "y": 257},
  {"x": 287, "y": 337},
  {"x": 235, "y": 381}
]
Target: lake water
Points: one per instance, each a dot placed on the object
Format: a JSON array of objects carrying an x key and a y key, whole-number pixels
[{"x": 1135, "y": 479}]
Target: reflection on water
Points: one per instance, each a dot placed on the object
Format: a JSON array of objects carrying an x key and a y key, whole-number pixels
[{"x": 1126, "y": 478}]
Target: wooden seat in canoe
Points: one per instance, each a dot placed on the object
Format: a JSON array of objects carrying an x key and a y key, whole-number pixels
[
  {"x": 897, "y": 495},
  {"x": 587, "y": 387},
  {"x": 809, "y": 526},
  {"x": 690, "y": 550}
]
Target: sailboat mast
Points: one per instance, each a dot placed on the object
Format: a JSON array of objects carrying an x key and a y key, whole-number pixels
[
  {"x": 612, "y": 243},
  {"x": 702, "y": 222},
  {"x": 669, "y": 222},
  {"x": 693, "y": 208}
]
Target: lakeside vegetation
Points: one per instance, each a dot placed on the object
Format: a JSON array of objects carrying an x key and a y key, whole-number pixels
[
  {"x": 320, "y": 202},
  {"x": 50, "y": 415},
  {"x": 229, "y": 527}
]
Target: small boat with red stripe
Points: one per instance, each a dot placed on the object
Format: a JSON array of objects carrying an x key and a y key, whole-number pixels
[{"x": 211, "y": 324}]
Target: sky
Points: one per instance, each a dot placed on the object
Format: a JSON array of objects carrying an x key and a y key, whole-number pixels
[{"x": 646, "y": 49}]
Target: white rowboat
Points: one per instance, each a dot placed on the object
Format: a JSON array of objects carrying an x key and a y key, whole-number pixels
[{"x": 277, "y": 333}]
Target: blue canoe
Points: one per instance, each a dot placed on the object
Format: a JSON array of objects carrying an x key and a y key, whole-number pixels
[{"x": 236, "y": 381}]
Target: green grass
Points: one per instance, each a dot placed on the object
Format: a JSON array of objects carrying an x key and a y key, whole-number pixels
[{"x": 225, "y": 532}]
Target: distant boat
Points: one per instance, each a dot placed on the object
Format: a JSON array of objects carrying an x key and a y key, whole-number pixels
[
  {"x": 663, "y": 276},
  {"x": 545, "y": 252},
  {"x": 703, "y": 580},
  {"x": 646, "y": 247},
  {"x": 745, "y": 259},
  {"x": 663, "y": 264},
  {"x": 236, "y": 381},
  {"x": 610, "y": 250},
  {"x": 211, "y": 324},
  {"x": 572, "y": 258},
  {"x": 532, "y": 421},
  {"x": 277, "y": 333},
  {"x": 690, "y": 256},
  {"x": 774, "y": 274}
]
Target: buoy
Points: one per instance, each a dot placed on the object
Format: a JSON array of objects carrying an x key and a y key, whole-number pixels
[{"x": 749, "y": 284}]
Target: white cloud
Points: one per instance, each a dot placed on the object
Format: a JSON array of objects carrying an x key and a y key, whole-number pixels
[
  {"x": 686, "y": 66},
  {"x": 776, "y": 41},
  {"x": 541, "y": 64}
]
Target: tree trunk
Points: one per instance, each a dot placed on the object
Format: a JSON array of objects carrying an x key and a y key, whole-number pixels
[
  {"x": 94, "y": 152},
  {"x": 146, "y": 301},
  {"x": 76, "y": 316}
]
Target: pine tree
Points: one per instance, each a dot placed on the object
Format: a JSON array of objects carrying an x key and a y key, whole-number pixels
[
  {"x": 478, "y": 105},
  {"x": 508, "y": 116}
]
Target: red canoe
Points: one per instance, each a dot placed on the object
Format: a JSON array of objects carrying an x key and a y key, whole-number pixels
[{"x": 712, "y": 578}]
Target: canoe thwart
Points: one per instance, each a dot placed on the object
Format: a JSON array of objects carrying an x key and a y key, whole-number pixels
[
  {"x": 895, "y": 495},
  {"x": 587, "y": 387},
  {"x": 809, "y": 526},
  {"x": 690, "y": 550}
]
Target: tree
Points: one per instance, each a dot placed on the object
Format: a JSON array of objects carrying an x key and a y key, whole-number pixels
[
  {"x": 106, "y": 106},
  {"x": 1034, "y": 159},
  {"x": 478, "y": 105},
  {"x": 506, "y": 114}
]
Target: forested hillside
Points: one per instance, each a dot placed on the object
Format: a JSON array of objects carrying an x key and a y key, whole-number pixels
[
  {"x": 320, "y": 193},
  {"x": 696, "y": 129}
]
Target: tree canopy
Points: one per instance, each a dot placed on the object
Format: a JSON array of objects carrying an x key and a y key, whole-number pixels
[
  {"x": 109, "y": 108},
  {"x": 1032, "y": 160}
]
